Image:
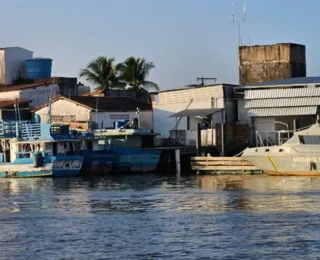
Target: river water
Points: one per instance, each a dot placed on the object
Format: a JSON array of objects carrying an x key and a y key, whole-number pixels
[{"x": 154, "y": 217}]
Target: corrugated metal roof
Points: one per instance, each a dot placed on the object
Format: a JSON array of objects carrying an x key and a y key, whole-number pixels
[
  {"x": 282, "y": 111},
  {"x": 286, "y": 82},
  {"x": 283, "y": 102},
  {"x": 281, "y": 93},
  {"x": 196, "y": 112}
]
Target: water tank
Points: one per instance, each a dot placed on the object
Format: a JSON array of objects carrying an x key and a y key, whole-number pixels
[
  {"x": 38, "y": 68},
  {"x": 121, "y": 123}
]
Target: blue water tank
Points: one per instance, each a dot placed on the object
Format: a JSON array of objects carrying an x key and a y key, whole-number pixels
[
  {"x": 38, "y": 68},
  {"x": 121, "y": 123}
]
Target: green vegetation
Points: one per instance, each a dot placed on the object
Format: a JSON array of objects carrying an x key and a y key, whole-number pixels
[{"x": 132, "y": 74}]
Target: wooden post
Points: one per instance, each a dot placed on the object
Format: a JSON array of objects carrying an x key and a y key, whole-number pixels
[
  {"x": 178, "y": 164},
  {"x": 198, "y": 140},
  {"x": 222, "y": 139}
]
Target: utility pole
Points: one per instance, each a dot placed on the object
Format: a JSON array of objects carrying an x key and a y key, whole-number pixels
[{"x": 202, "y": 79}]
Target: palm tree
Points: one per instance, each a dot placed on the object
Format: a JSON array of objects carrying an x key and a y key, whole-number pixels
[
  {"x": 135, "y": 71},
  {"x": 103, "y": 73}
]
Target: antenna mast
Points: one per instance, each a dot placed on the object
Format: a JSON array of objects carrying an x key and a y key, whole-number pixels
[
  {"x": 202, "y": 79},
  {"x": 239, "y": 21}
]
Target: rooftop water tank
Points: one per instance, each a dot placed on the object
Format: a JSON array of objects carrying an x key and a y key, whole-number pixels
[{"x": 38, "y": 68}]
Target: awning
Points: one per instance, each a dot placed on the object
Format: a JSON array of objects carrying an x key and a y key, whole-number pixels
[{"x": 196, "y": 112}]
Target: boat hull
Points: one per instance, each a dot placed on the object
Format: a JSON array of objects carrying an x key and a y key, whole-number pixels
[
  {"x": 67, "y": 166},
  {"x": 97, "y": 163},
  {"x": 285, "y": 164},
  {"x": 136, "y": 160}
]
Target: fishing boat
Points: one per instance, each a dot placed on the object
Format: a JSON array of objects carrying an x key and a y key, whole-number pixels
[
  {"x": 97, "y": 160},
  {"x": 299, "y": 156},
  {"x": 133, "y": 147},
  {"x": 37, "y": 150}
]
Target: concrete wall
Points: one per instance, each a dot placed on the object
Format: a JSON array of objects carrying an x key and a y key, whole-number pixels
[
  {"x": 2, "y": 68},
  {"x": 263, "y": 63},
  {"x": 64, "y": 108},
  {"x": 39, "y": 95},
  {"x": 15, "y": 58}
]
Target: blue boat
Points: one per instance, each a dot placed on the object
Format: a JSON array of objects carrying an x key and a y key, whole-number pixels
[
  {"x": 97, "y": 160},
  {"x": 133, "y": 148},
  {"x": 37, "y": 150}
]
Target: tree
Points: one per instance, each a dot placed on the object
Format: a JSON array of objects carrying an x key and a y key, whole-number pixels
[
  {"x": 103, "y": 73},
  {"x": 135, "y": 71}
]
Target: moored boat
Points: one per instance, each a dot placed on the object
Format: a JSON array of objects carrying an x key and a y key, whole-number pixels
[
  {"x": 133, "y": 148},
  {"x": 37, "y": 150},
  {"x": 299, "y": 156}
]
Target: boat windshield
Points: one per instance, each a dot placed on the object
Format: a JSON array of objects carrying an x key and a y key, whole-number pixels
[{"x": 309, "y": 139}]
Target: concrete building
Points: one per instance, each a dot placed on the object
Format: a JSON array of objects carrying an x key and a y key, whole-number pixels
[
  {"x": 38, "y": 93},
  {"x": 264, "y": 63},
  {"x": 279, "y": 105},
  {"x": 12, "y": 64},
  {"x": 103, "y": 110},
  {"x": 178, "y": 111}
]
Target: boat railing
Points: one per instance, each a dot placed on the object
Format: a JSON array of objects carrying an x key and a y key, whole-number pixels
[
  {"x": 272, "y": 138},
  {"x": 8, "y": 129}
]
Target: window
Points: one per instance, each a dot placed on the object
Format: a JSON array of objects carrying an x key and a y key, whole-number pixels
[{"x": 310, "y": 139}]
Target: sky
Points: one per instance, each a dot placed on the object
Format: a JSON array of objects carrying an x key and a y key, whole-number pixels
[{"x": 185, "y": 39}]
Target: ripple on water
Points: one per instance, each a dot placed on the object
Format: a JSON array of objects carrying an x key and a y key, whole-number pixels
[{"x": 152, "y": 217}]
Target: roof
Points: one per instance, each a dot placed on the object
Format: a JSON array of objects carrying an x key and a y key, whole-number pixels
[
  {"x": 276, "y": 44},
  {"x": 285, "y": 83},
  {"x": 282, "y": 111},
  {"x": 104, "y": 104},
  {"x": 9, "y": 88},
  {"x": 10, "y": 103},
  {"x": 12, "y": 47},
  {"x": 198, "y": 86},
  {"x": 196, "y": 112}
]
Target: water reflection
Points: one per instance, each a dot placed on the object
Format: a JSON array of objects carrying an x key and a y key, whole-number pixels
[{"x": 149, "y": 216}]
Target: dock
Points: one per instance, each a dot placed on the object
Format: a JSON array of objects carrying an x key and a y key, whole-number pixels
[{"x": 223, "y": 165}]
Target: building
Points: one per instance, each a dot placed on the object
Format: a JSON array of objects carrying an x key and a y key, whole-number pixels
[
  {"x": 279, "y": 105},
  {"x": 38, "y": 93},
  {"x": 67, "y": 86},
  {"x": 178, "y": 111},
  {"x": 12, "y": 61},
  {"x": 103, "y": 110},
  {"x": 142, "y": 95},
  {"x": 8, "y": 110},
  {"x": 264, "y": 63}
]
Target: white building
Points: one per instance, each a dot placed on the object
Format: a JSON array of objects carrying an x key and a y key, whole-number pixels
[
  {"x": 103, "y": 110},
  {"x": 12, "y": 64},
  {"x": 280, "y": 105},
  {"x": 181, "y": 109},
  {"x": 38, "y": 93}
]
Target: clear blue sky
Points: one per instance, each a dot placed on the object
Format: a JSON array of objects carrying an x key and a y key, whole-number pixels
[{"x": 184, "y": 38}]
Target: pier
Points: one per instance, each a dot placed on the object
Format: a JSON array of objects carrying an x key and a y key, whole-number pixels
[{"x": 223, "y": 165}]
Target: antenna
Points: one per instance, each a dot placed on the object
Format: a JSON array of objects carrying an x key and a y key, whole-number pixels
[
  {"x": 202, "y": 79},
  {"x": 238, "y": 21}
]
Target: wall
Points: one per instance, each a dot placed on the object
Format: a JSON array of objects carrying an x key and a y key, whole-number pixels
[
  {"x": 242, "y": 111},
  {"x": 67, "y": 86},
  {"x": 15, "y": 63},
  {"x": 2, "y": 68},
  {"x": 39, "y": 95},
  {"x": 64, "y": 108},
  {"x": 263, "y": 63},
  {"x": 169, "y": 102}
]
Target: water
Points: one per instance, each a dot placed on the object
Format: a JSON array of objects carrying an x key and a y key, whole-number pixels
[{"x": 152, "y": 217}]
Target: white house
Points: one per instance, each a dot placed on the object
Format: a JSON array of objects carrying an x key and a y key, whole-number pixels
[
  {"x": 103, "y": 110},
  {"x": 12, "y": 63},
  {"x": 279, "y": 105},
  {"x": 181, "y": 109},
  {"x": 38, "y": 93}
]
